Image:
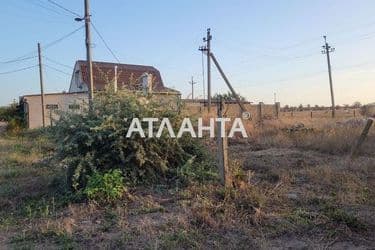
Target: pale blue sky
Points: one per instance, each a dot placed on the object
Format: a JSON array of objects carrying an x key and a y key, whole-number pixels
[{"x": 264, "y": 46}]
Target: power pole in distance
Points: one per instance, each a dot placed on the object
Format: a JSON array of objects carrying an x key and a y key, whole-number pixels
[
  {"x": 326, "y": 50},
  {"x": 192, "y": 87},
  {"x": 203, "y": 76},
  {"x": 207, "y": 49},
  {"x": 41, "y": 83}
]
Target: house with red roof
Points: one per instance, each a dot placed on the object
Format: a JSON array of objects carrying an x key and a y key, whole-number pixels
[{"x": 126, "y": 76}]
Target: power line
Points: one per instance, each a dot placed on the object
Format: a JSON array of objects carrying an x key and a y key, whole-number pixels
[
  {"x": 359, "y": 37},
  {"x": 26, "y": 56},
  {"x": 17, "y": 70},
  {"x": 18, "y": 60},
  {"x": 62, "y": 38},
  {"x": 41, "y": 5},
  {"x": 309, "y": 75},
  {"x": 354, "y": 28},
  {"x": 65, "y": 9},
  {"x": 298, "y": 44},
  {"x": 105, "y": 43},
  {"x": 58, "y": 63},
  {"x": 316, "y": 38},
  {"x": 56, "y": 69}
]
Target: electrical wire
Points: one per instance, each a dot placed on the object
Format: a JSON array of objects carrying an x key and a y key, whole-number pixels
[
  {"x": 313, "y": 39},
  {"x": 18, "y": 70},
  {"x": 63, "y": 8},
  {"x": 92, "y": 24},
  {"x": 30, "y": 54},
  {"x": 309, "y": 75},
  {"x": 105, "y": 43},
  {"x": 18, "y": 60},
  {"x": 24, "y": 57},
  {"x": 41, "y": 5},
  {"x": 56, "y": 69},
  {"x": 297, "y": 44},
  {"x": 63, "y": 37},
  {"x": 58, "y": 63}
]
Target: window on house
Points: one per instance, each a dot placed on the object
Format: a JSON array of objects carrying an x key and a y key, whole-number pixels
[{"x": 52, "y": 106}]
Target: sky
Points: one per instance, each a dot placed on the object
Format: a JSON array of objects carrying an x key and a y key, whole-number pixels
[{"x": 264, "y": 47}]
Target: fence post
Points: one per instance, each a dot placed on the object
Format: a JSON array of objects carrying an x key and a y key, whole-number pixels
[
  {"x": 362, "y": 138},
  {"x": 277, "y": 109},
  {"x": 178, "y": 104},
  {"x": 222, "y": 142},
  {"x": 260, "y": 113},
  {"x": 311, "y": 114}
]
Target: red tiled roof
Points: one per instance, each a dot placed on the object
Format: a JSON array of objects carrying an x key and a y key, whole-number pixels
[{"x": 128, "y": 75}]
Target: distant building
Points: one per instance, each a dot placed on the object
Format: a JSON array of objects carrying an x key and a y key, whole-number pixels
[
  {"x": 131, "y": 77},
  {"x": 32, "y": 106},
  {"x": 368, "y": 110}
]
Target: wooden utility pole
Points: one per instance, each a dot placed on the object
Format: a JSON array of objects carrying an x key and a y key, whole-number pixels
[
  {"x": 222, "y": 143},
  {"x": 208, "y": 40},
  {"x": 192, "y": 87},
  {"x": 88, "y": 52},
  {"x": 41, "y": 83},
  {"x": 327, "y": 50},
  {"x": 207, "y": 49}
]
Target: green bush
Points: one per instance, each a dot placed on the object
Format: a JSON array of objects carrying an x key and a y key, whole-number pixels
[
  {"x": 95, "y": 141},
  {"x": 15, "y": 126},
  {"x": 14, "y": 116},
  {"x": 199, "y": 167},
  {"x": 107, "y": 187}
]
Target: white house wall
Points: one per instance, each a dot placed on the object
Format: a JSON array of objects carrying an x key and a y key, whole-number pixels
[
  {"x": 76, "y": 83},
  {"x": 64, "y": 101}
]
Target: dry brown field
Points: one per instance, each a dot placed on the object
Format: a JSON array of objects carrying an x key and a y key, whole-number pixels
[{"x": 294, "y": 188}]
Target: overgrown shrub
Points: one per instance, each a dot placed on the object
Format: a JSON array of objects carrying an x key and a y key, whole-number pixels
[
  {"x": 14, "y": 116},
  {"x": 106, "y": 187},
  {"x": 96, "y": 142}
]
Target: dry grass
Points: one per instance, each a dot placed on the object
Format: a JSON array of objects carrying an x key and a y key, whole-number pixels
[
  {"x": 291, "y": 190},
  {"x": 323, "y": 135}
]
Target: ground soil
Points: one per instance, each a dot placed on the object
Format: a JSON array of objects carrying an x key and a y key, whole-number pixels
[{"x": 305, "y": 199}]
